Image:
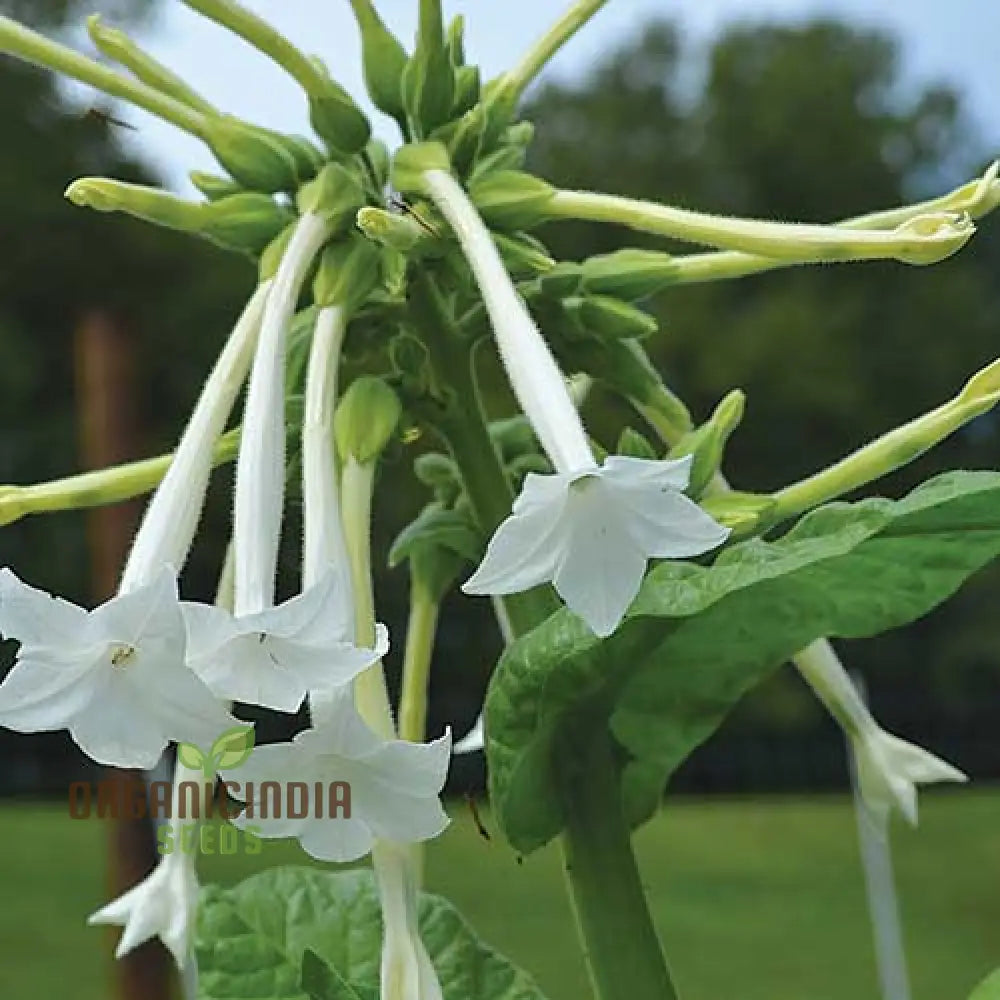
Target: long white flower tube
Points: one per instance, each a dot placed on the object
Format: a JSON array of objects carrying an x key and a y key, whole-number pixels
[
  {"x": 116, "y": 677},
  {"x": 588, "y": 529},
  {"x": 266, "y": 655},
  {"x": 889, "y": 769}
]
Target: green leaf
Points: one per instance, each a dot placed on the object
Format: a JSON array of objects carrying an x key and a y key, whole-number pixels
[
  {"x": 252, "y": 941},
  {"x": 191, "y": 756},
  {"x": 697, "y": 638},
  {"x": 988, "y": 989},
  {"x": 321, "y": 981},
  {"x": 233, "y": 747},
  {"x": 436, "y": 527}
]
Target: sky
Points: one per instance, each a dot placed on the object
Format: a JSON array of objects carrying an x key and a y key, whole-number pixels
[{"x": 954, "y": 41}]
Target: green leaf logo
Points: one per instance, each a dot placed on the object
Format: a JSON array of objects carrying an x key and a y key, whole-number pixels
[
  {"x": 232, "y": 748},
  {"x": 191, "y": 756}
]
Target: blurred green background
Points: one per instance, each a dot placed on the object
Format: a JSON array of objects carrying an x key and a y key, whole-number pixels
[{"x": 758, "y": 897}]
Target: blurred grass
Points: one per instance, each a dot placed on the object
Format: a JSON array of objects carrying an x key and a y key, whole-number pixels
[{"x": 757, "y": 899}]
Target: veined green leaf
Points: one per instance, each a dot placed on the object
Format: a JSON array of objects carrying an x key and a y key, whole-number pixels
[
  {"x": 254, "y": 940},
  {"x": 697, "y": 638}
]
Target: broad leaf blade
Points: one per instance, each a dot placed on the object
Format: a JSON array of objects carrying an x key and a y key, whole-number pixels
[
  {"x": 697, "y": 638},
  {"x": 253, "y": 939}
]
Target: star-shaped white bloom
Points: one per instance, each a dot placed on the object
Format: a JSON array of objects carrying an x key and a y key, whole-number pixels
[
  {"x": 274, "y": 657},
  {"x": 394, "y": 785},
  {"x": 115, "y": 677},
  {"x": 163, "y": 905},
  {"x": 591, "y": 533}
]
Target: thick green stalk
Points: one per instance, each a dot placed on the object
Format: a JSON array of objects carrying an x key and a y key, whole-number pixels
[
  {"x": 538, "y": 56},
  {"x": 925, "y": 239},
  {"x": 462, "y": 424},
  {"x": 624, "y": 955},
  {"x": 25, "y": 44}
]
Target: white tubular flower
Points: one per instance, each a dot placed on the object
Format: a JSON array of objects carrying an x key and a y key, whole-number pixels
[
  {"x": 392, "y": 786},
  {"x": 114, "y": 677},
  {"x": 260, "y": 467},
  {"x": 889, "y": 769},
  {"x": 165, "y": 903},
  {"x": 588, "y": 529},
  {"x": 274, "y": 657},
  {"x": 172, "y": 516}
]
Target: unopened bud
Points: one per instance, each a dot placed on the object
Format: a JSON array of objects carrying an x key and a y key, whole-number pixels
[
  {"x": 983, "y": 389},
  {"x": 510, "y": 199},
  {"x": 348, "y": 271},
  {"x": 412, "y": 161},
  {"x": 366, "y": 419},
  {"x": 336, "y": 194},
  {"x": 384, "y": 60},
  {"x": 742, "y": 513},
  {"x": 522, "y": 255},
  {"x": 429, "y": 79},
  {"x": 610, "y": 319},
  {"x": 254, "y": 158},
  {"x": 562, "y": 281},
  {"x": 708, "y": 442},
  {"x": 212, "y": 186},
  {"x": 630, "y": 274},
  {"x": 467, "y": 89},
  {"x": 931, "y": 238},
  {"x": 341, "y": 124}
]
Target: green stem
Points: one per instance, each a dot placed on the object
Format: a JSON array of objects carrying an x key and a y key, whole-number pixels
[
  {"x": 421, "y": 630},
  {"x": 370, "y": 693},
  {"x": 624, "y": 955},
  {"x": 463, "y": 426},
  {"x": 98, "y": 488},
  {"x": 923, "y": 240},
  {"x": 263, "y": 37},
  {"x": 537, "y": 57},
  {"x": 25, "y": 44}
]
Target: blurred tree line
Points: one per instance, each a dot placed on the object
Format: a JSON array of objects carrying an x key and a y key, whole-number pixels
[{"x": 809, "y": 123}]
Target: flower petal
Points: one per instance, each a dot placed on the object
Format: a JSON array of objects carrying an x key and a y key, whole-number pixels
[
  {"x": 526, "y": 548},
  {"x": 602, "y": 568},
  {"x": 38, "y": 619},
  {"x": 668, "y": 525},
  {"x": 336, "y": 840},
  {"x": 665, "y": 474},
  {"x": 147, "y": 616},
  {"x": 42, "y": 693}
]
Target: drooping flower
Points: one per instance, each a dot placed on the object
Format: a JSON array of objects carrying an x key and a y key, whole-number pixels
[
  {"x": 889, "y": 769},
  {"x": 165, "y": 903},
  {"x": 394, "y": 786},
  {"x": 589, "y": 529},
  {"x": 114, "y": 677},
  {"x": 274, "y": 657}
]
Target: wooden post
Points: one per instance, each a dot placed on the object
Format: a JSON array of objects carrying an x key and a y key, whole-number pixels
[{"x": 106, "y": 407}]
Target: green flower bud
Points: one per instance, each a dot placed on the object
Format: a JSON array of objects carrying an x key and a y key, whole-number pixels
[
  {"x": 464, "y": 138},
  {"x": 439, "y": 473},
  {"x": 247, "y": 221},
  {"x": 744, "y": 514},
  {"x": 212, "y": 186},
  {"x": 519, "y": 135},
  {"x": 116, "y": 45},
  {"x": 336, "y": 194},
  {"x": 504, "y": 158},
  {"x": 708, "y": 442},
  {"x": 348, "y": 271},
  {"x": 456, "y": 41},
  {"x": 521, "y": 255},
  {"x": 339, "y": 122},
  {"x": 270, "y": 258},
  {"x": 513, "y": 436},
  {"x": 983, "y": 388},
  {"x": 510, "y": 199},
  {"x": 610, "y": 319},
  {"x": 429, "y": 79},
  {"x": 251, "y": 156},
  {"x": 384, "y": 60},
  {"x": 411, "y": 361},
  {"x": 525, "y": 464},
  {"x": 401, "y": 233},
  {"x": 308, "y": 158},
  {"x": 632, "y": 444},
  {"x": 629, "y": 274},
  {"x": 467, "y": 89},
  {"x": 412, "y": 161},
  {"x": 561, "y": 281},
  {"x": 366, "y": 419}
]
